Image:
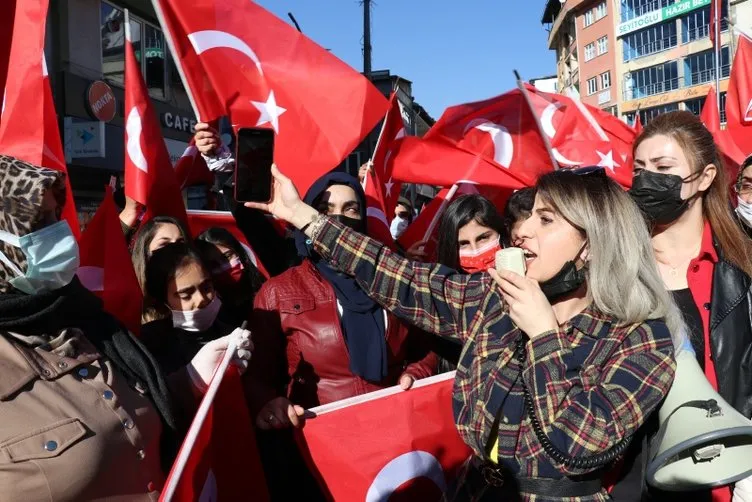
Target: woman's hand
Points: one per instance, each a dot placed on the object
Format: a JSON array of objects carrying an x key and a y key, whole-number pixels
[
  {"x": 417, "y": 252},
  {"x": 129, "y": 215},
  {"x": 204, "y": 363},
  {"x": 280, "y": 413},
  {"x": 207, "y": 139},
  {"x": 528, "y": 306},
  {"x": 406, "y": 381},
  {"x": 285, "y": 203}
]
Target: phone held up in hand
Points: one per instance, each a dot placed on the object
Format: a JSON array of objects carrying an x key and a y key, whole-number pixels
[
  {"x": 254, "y": 156},
  {"x": 512, "y": 259}
]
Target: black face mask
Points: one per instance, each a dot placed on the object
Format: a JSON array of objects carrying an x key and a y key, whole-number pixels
[
  {"x": 659, "y": 196},
  {"x": 566, "y": 280},
  {"x": 352, "y": 223}
]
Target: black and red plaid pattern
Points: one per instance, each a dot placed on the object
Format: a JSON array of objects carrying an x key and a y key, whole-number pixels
[{"x": 593, "y": 381}]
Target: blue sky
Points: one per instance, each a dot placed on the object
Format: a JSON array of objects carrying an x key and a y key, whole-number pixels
[{"x": 452, "y": 51}]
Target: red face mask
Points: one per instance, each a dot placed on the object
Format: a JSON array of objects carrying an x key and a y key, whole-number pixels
[
  {"x": 229, "y": 274},
  {"x": 481, "y": 259}
]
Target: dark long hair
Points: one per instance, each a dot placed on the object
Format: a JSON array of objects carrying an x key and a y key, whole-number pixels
[
  {"x": 697, "y": 143},
  {"x": 164, "y": 264},
  {"x": 519, "y": 206},
  {"x": 140, "y": 251},
  {"x": 459, "y": 213},
  {"x": 218, "y": 236}
]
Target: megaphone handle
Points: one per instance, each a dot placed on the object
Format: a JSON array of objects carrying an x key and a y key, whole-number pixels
[{"x": 584, "y": 462}]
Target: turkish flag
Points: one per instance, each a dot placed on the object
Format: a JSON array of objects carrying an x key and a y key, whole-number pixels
[
  {"x": 426, "y": 226},
  {"x": 387, "y": 445},
  {"x": 378, "y": 222},
  {"x": 149, "y": 176},
  {"x": 198, "y": 221},
  {"x": 219, "y": 460},
  {"x": 739, "y": 97},
  {"x": 191, "y": 169},
  {"x": 732, "y": 154},
  {"x": 392, "y": 129},
  {"x": 28, "y": 125},
  {"x": 319, "y": 107},
  {"x": 637, "y": 124},
  {"x": 583, "y": 135},
  {"x": 499, "y": 134},
  {"x": 106, "y": 268}
]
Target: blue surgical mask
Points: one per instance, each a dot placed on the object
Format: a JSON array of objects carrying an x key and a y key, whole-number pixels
[
  {"x": 398, "y": 226},
  {"x": 51, "y": 258}
]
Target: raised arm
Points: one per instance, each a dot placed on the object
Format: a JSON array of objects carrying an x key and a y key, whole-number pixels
[{"x": 431, "y": 297}]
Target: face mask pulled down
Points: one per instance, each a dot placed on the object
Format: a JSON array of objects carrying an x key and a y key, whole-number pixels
[
  {"x": 566, "y": 281},
  {"x": 51, "y": 258},
  {"x": 197, "y": 320},
  {"x": 481, "y": 259}
]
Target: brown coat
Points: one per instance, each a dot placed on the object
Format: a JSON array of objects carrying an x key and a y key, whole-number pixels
[{"x": 71, "y": 429}]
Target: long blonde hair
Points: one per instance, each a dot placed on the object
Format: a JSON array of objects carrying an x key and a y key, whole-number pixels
[{"x": 622, "y": 274}]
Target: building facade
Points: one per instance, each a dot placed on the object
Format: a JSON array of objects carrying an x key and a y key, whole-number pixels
[
  {"x": 86, "y": 61},
  {"x": 659, "y": 54}
]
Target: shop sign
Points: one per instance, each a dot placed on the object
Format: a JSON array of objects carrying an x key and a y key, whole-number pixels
[
  {"x": 100, "y": 101},
  {"x": 83, "y": 139},
  {"x": 178, "y": 122},
  {"x": 655, "y": 17}
]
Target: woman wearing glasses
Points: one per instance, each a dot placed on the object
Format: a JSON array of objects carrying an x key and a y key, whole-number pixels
[
  {"x": 703, "y": 256},
  {"x": 559, "y": 368},
  {"x": 744, "y": 196}
]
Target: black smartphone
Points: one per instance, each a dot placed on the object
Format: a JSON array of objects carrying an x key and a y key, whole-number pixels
[{"x": 254, "y": 155}]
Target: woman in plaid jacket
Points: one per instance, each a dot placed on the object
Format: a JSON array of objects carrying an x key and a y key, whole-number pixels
[{"x": 558, "y": 368}]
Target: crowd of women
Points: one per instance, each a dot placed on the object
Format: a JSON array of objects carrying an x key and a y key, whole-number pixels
[{"x": 559, "y": 372}]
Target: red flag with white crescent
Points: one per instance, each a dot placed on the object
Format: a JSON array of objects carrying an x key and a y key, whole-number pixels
[
  {"x": 347, "y": 449},
  {"x": 732, "y": 154},
  {"x": 106, "y": 268},
  {"x": 392, "y": 129},
  {"x": 319, "y": 107},
  {"x": 149, "y": 176},
  {"x": 378, "y": 220},
  {"x": 28, "y": 123}
]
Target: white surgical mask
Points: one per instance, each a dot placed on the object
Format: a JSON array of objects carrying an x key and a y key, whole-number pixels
[
  {"x": 199, "y": 319},
  {"x": 398, "y": 226},
  {"x": 51, "y": 258},
  {"x": 744, "y": 210}
]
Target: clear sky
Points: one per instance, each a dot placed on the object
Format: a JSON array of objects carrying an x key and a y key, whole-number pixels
[{"x": 454, "y": 51}]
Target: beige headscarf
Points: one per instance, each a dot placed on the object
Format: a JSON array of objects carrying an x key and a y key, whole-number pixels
[{"x": 22, "y": 189}]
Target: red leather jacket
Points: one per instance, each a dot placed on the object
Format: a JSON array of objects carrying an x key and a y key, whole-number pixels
[{"x": 300, "y": 351}]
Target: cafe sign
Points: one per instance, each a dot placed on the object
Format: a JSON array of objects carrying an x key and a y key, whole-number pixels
[{"x": 658, "y": 16}]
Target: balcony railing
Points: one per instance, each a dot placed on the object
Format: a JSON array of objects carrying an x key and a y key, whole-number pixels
[
  {"x": 651, "y": 89},
  {"x": 708, "y": 75},
  {"x": 650, "y": 48},
  {"x": 702, "y": 31}
]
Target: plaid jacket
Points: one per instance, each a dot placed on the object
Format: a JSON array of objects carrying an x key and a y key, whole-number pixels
[{"x": 593, "y": 381}]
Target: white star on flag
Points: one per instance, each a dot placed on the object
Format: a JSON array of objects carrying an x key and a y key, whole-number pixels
[
  {"x": 607, "y": 160},
  {"x": 388, "y": 185},
  {"x": 270, "y": 112}
]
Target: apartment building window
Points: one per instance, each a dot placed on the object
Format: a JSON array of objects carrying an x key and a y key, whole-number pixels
[
  {"x": 700, "y": 68},
  {"x": 588, "y": 18},
  {"x": 148, "y": 44},
  {"x": 696, "y": 25},
  {"x": 592, "y": 86},
  {"x": 631, "y": 9},
  {"x": 589, "y": 51},
  {"x": 650, "y": 40},
  {"x": 652, "y": 80},
  {"x": 602, "y": 45},
  {"x": 606, "y": 80},
  {"x": 601, "y": 10},
  {"x": 649, "y": 114},
  {"x": 695, "y": 106}
]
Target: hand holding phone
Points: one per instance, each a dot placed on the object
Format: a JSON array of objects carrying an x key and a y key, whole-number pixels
[
  {"x": 512, "y": 259},
  {"x": 253, "y": 165}
]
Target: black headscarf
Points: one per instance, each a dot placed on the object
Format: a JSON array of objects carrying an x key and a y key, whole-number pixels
[{"x": 362, "y": 318}]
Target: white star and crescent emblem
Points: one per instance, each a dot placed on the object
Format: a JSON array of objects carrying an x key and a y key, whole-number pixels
[
  {"x": 607, "y": 160},
  {"x": 269, "y": 111}
]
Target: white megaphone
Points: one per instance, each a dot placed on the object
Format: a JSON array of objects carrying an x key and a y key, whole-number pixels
[{"x": 702, "y": 441}]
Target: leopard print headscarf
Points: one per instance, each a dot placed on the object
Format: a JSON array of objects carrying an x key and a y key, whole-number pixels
[{"x": 22, "y": 189}]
